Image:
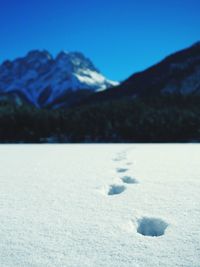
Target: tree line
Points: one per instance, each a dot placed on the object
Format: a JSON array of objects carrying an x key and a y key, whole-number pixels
[{"x": 157, "y": 119}]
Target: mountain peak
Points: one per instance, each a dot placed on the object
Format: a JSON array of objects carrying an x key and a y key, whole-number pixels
[
  {"x": 42, "y": 79},
  {"x": 37, "y": 53},
  {"x": 76, "y": 60}
]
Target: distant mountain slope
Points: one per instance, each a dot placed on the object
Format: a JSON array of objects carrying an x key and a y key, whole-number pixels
[
  {"x": 177, "y": 74},
  {"x": 41, "y": 80}
]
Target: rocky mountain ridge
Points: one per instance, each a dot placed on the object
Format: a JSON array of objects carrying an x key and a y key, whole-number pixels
[{"x": 40, "y": 79}]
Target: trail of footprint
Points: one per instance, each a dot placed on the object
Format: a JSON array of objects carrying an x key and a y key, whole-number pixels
[
  {"x": 120, "y": 156},
  {"x": 129, "y": 180},
  {"x": 115, "y": 189},
  {"x": 117, "y": 159},
  {"x": 146, "y": 226},
  {"x": 151, "y": 226},
  {"x": 122, "y": 170}
]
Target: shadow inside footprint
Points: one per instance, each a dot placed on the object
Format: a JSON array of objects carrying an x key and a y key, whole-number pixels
[
  {"x": 129, "y": 180},
  {"x": 116, "y": 189},
  {"x": 121, "y": 170},
  {"x": 151, "y": 226}
]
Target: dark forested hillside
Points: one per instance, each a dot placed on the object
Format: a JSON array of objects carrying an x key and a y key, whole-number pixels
[{"x": 160, "y": 119}]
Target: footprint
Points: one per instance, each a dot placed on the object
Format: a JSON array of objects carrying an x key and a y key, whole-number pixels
[
  {"x": 120, "y": 156},
  {"x": 121, "y": 170},
  {"x": 151, "y": 226},
  {"x": 117, "y": 159},
  {"x": 129, "y": 180},
  {"x": 116, "y": 189}
]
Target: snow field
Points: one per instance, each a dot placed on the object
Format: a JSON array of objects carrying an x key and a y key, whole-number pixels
[{"x": 100, "y": 205}]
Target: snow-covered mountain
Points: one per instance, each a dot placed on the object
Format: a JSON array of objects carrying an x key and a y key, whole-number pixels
[{"x": 41, "y": 79}]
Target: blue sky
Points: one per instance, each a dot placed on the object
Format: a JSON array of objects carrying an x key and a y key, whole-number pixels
[{"x": 120, "y": 37}]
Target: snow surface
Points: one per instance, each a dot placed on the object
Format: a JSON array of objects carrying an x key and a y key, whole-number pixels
[{"x": 56, "y": 206}]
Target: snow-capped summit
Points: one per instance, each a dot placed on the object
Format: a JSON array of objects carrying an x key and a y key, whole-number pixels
[
  {"x": 41, "y": 79},
  {"x": 76, "y": 60}
]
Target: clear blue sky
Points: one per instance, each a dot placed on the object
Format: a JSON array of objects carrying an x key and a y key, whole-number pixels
[{"x": 119, "y": 36}]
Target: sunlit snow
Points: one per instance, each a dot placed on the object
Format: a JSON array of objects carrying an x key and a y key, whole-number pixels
[{"x": 100, "y": 205}]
